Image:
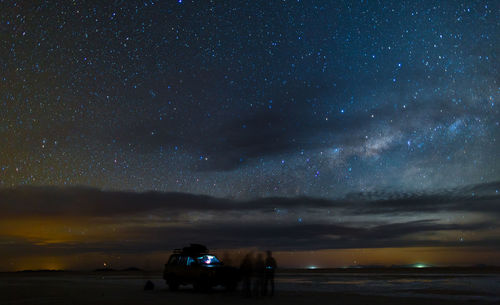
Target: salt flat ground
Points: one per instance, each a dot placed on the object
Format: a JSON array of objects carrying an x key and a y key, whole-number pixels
[{"x": 292, "y": 288}]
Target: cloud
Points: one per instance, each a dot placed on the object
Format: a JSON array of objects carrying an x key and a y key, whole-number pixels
[
  {"x": 153, "y": 221},
  {"x": 306, "y": 236},
  {"x": 92, "y": 202},
  {"x": 141, "y": 239},
  {"x": 75, "y": 201}
]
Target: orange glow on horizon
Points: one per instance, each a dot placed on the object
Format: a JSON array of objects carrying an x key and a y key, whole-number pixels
[
  {"x": 36, "y": 243},
  {"x": 286, "y": 259}
]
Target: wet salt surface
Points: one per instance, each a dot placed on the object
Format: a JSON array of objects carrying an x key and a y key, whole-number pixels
[
  {"x": 479, "y": 287},
  {"x": 448, "y": 286}
]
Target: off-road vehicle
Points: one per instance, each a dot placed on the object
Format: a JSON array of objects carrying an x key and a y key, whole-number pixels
[{"x": 195, "y": 265}]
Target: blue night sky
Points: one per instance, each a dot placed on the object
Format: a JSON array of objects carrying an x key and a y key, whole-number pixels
[
  {"x": 244, "y": 100},
  {"x": 250, "y": 98}
]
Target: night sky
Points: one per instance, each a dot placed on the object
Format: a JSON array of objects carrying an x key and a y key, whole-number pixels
[{"x": 132, "y": 127}]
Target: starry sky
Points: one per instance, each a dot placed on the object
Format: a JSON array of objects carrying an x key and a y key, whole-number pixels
[{"x": 332, "y": 119}]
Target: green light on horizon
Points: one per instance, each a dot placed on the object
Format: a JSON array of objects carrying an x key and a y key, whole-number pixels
[{"x": 420, "y": 265}]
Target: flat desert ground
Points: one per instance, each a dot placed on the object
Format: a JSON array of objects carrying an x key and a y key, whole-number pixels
[{"x": 292, "y": 288}]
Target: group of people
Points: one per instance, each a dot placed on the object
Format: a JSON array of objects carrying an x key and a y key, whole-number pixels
[{"x": 258, "y": 273}]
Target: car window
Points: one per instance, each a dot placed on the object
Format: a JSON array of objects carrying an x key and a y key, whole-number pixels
[
  {"x": 183, "y": 261},
  {"x": 173, "y": 260}
]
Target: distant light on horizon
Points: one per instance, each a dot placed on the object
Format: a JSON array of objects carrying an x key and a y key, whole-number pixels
[
  {"x": 420, "y": 265},
  {"x": 312, "y": 267}
]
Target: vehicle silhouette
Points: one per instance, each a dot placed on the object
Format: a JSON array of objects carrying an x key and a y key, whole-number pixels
[{"x": 195, "y": 265}]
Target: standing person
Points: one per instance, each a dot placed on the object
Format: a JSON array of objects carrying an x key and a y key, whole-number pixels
[
  {"x": 269, "y": 273},
  {"x": 246, "y": 268},
  {"x": 259, "y": 273}
]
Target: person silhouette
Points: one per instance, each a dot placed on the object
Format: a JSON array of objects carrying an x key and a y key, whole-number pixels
[
  {"x": 259, "y": 274},
  {"x": 246, "y": 269},
  {"x": 269, "y": 273}
]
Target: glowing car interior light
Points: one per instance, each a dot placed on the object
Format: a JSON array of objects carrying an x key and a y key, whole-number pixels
[{"x": 208, "y": 260}]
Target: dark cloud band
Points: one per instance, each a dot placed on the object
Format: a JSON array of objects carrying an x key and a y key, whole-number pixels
[{"x": 91, "y": 202}]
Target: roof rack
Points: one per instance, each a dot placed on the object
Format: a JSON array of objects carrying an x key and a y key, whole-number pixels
[{"x": 194, "y": 249}]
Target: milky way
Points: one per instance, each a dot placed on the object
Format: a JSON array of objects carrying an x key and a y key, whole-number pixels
[
  {"x": 130, "y": 127},
  {"x": 247, "y": 99}
]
